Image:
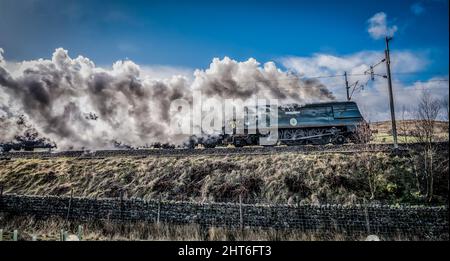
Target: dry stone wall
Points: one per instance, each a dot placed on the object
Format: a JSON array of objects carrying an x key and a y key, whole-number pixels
[{"x": 424, "y": 221}]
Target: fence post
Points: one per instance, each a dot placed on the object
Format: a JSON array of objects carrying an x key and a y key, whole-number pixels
[
  {"x": 159, "y": 210},
  {"x": 122, "y": 225},
  {"x": 70, "y": 204},
  {"x": 241, "y": 218},
  {"x": 1, "y": 234},
  {"x": 121, "y": 206},
  {"x": 80, "y": 232},
  {"x": 366, "y": 214},
  {"x": 1, "y": 195},
  {"x": 15, "y": 235},
  {"x": 61, "y": 235}
]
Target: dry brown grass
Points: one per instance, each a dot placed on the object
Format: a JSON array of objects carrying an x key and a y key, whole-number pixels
[
  {"x": 382, "y": 131},
  {"x": 408, "y": 125},
  {"x": 284, "y": 178},
  {"x": 49, "y": 230}
]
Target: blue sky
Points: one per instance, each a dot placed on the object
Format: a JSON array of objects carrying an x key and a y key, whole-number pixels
[
  {"x": 311, "y": 38},
  {"x": 191, "y": 33}
]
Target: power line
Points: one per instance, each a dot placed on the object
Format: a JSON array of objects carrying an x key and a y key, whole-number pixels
[
  {"x": 437, "y": 80},
  {"x": 366, "y": 83},
  {"x": 296, "y": 78},
  {"x": 426, "y": 73},
  {"x": 415, "y": 90},
  {"x": 365, "y": 94}
]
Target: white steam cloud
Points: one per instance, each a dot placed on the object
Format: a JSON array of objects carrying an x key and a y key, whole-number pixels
[{"x": 79, "y": 105}]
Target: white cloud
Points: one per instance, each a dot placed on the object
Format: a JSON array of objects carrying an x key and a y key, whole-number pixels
[
  {"x": 326, "y": 64},
  {"x": 378, "y": 27},
  {"x": 320, "y": 63},
  {"x": 374, "y": 104},
  {"x": 373, "y": 99}
]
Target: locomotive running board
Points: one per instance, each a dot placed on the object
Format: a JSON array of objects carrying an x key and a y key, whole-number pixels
[{"x": 309, "y": 137}]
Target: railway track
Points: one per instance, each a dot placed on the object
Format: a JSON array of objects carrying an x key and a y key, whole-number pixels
[{"x": 142, "y": 153}]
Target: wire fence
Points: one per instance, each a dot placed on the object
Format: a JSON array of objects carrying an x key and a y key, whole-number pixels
[{"x": 427, "y": 222}]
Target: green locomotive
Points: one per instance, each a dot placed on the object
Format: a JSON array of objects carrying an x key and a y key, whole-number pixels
[{"x": 319, "y": 123}]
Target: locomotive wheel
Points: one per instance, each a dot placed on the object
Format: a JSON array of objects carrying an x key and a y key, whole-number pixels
[
  {"x": 239, "y": 143},
  {"x": 324, "y": 140},
  {"x": 339, "y": 140}
]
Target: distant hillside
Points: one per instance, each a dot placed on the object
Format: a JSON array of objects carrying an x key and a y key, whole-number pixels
[
  {"x": 408, "y": 125},
  {"x": 382, "y": 131}
]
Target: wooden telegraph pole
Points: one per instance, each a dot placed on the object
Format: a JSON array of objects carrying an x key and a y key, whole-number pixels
[{"x": 391, "y": 95}]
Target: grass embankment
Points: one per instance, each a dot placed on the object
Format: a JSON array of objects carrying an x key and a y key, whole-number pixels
[{"x": 283, "y": 178}]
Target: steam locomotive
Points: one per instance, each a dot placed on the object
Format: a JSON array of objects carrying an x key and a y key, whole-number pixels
[{"x": 317, "y": 124}]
